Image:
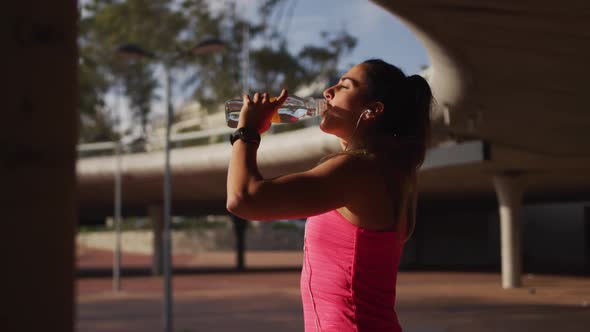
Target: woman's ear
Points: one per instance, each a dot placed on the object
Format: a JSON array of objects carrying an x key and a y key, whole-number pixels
[{"x": 375, "y": 109}]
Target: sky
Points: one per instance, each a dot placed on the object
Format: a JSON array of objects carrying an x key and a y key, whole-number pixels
[{"x": 379, "y": 34}]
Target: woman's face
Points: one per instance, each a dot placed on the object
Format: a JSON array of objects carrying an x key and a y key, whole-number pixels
[{"x": 346, "y": 103}]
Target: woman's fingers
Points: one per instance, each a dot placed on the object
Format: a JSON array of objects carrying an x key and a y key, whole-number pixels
[
  {"x": 264, "y": 98},
  {"x": 282, "y": 97}
]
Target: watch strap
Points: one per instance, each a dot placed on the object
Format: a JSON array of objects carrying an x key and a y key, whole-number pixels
[{"x": 246, "y": 134}]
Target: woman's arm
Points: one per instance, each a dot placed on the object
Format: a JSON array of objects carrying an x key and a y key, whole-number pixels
[{"x": 331, "y": 185}]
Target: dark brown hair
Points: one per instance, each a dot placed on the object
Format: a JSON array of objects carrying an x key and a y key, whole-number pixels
[
  {"x": 407, "y": 103},
  {"x": 403, "y": 130}
]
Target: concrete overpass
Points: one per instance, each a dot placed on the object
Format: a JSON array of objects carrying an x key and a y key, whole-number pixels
[
  {"x": 456, "y": 170},
  {"x": 510, "y": 74},
  {"x": 454, "y": 173}
]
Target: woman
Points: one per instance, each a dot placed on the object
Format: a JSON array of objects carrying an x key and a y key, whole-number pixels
[{"x": 356, "y": 199}]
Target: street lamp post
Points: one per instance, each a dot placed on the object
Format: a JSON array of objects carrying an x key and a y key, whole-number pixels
[
  {"x": 205, "y": 47},
  {"x": 118, "y": 198},
  {"x": 117, "y": 219},
  {"x": 166, "y": 238}
]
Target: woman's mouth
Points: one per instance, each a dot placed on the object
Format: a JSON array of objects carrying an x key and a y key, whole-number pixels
[{"x": 327, "y": 107}]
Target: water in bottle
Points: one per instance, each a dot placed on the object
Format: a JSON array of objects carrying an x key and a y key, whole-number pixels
[{"x": 293, "y": 109}]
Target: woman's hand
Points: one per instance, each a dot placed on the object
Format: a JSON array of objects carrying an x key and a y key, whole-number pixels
[{"x": 258, "y": 111}]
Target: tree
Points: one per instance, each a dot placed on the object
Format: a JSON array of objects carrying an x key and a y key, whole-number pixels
[
  {"x": 95, "y": 122},
  {"x": 165, "y": 26},
  {"x": 150, "y": 23},
  {"x": 272, "y": 65}
]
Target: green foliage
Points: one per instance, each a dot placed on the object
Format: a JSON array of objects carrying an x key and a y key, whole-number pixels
[
  {"x": 127, "y": 224},
  {"x": 275, "y": 69},
  {"x": 166, "y": 27},
  {"x": 198, "y": 224},
  {"x": 150, "y": 23},
  {"x": 179, "y": 223},
  {"x": 95, "y": 121},
  {"x": 323, "y": 61},
  {"x": 286, "y": 226}
]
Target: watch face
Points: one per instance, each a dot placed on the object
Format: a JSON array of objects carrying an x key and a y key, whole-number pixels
[{"x": 246, "y": 134}]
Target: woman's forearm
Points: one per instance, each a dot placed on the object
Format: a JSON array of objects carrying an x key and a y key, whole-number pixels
[{"x": 243, "y": 175}]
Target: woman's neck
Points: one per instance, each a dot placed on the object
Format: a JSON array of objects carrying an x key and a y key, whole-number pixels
[
  {"x": 343, "y": 144},
  {"x": 356, "y": 144}
]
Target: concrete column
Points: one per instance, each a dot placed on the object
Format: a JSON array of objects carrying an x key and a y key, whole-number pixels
[
  {"x": 156, "y": 214},
  {"x": 509, "y": 189},
  {"x": 240, "y": 226},
  {"x": 38, "y": 135}
]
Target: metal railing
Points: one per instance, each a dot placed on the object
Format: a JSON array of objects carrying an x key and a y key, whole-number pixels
[
  {"x": 179, "y": 140},
  {"x": 201, "y": 137}
]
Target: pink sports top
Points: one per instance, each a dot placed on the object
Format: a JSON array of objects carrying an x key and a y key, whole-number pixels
[{"x": 349, "y": 276}]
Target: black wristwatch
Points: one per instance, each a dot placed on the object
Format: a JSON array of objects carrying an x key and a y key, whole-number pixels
[{"x": 248, "y": 135}]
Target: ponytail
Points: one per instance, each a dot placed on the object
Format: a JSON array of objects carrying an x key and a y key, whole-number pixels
[
  {"x": 420, "y": 102},
  {"x": 407, "y": 103}
]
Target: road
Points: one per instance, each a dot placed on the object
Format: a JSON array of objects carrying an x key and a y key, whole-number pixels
[{"x": 269, "y": 301}]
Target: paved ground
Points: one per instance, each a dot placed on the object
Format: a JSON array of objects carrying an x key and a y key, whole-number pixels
[
  {"x": 97, "y": 259},
  {"x": 427, "y": 302}
]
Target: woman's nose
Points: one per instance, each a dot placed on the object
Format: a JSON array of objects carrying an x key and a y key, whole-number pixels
[{"x": 328, "y": 93}]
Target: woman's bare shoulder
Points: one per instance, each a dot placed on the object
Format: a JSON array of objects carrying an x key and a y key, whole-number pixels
[{"x": 351, "y": 167}]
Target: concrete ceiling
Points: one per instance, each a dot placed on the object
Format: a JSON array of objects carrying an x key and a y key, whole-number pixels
[{"x": 513, "y": 73}]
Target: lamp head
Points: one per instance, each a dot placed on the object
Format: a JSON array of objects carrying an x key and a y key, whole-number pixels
[
  {"x": 134, "y": 51},
  {"x": 208, "y": 46}
]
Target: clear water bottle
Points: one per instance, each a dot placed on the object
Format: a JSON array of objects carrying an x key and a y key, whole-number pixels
[{"x": 293, "y": 109}]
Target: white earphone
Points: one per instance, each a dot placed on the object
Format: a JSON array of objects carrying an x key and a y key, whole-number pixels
[{"x": 368, "y": 110}]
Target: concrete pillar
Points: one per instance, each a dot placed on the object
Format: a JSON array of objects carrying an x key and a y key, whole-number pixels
[
  {"x": 156, "y": 214},
  {"x": 38, "y": 135},
  {"x": 240, "y": 226},
  {"x": 509, "y": 189}
]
